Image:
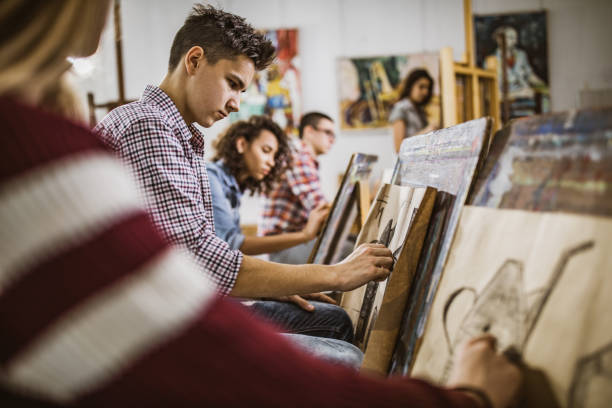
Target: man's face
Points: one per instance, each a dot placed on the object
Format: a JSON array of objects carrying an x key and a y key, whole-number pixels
[
  {"x": 321, "y": 137},
  {"x": 213, "y": 91}
]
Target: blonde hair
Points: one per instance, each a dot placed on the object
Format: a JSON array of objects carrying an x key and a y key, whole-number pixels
[
  {"x": 62, "y": 99},
  {"x": 37, "y": 37}
]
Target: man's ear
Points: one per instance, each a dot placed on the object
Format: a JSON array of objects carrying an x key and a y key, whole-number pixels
[
  {"x": 241, "y": 144},
  {"x": 193, "y": 59},
  {"x": 307, "y": 132}
]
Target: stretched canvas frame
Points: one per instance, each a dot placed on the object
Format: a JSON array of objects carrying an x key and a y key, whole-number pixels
[
  {"x": 384, "y": 329},
  {"x": 346, "y": 207},
  {"x": 446, "y": 160},
  {"x": 388, "y": 222}
]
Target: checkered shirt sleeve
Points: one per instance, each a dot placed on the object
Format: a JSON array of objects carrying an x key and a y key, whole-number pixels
[
  {"x": 287, "y": 206},
  {"x": 175, "y": 185}
]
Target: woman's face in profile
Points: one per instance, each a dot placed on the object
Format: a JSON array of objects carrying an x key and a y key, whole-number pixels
[
  {"x": 259, "y": 155},
  {"x": 420, "y": 90}
]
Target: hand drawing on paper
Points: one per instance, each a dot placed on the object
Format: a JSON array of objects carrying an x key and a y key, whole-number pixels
[{"x": 503, "y": 308}]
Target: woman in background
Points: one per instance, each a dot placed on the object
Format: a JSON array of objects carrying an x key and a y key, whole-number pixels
[
  {"x": 408, "y": 115},
  {"x": 250, "y": 156},
  {"x": 97, "y": 309}
]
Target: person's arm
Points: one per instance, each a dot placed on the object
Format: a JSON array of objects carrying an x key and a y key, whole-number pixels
[
  {"x": 174, "y": 195},
  {"x": 253, "y": 245},
  {"x": 258, "y": 278},
  {"x": 484, "y": 374},
  {"x": 399, "y": 131}
]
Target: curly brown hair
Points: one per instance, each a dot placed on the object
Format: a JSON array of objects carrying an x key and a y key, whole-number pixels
[
  {"x": 221, "y": 35},
  {"x": 225, "y": 149}
]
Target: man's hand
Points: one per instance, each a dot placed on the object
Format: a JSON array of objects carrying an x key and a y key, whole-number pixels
[
  {"x": 316, "y": 218},
  {"x": 366, "y": 263},
  {"x": 303, "y": 303},
  {"x": 321, "y": 297},
  {"x": 478, "y": 365}
]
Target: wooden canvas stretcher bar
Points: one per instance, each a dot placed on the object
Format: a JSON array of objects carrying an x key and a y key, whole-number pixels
[{"x": 468, "y": 92}]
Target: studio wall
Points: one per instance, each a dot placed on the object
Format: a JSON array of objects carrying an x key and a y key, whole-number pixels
[{"x": 579, "y": 53}]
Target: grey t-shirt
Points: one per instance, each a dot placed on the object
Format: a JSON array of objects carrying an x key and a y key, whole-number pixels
[{"x": 406, "y": 111}]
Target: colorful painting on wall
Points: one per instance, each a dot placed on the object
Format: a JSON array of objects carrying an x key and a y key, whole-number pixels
[
  {"x": 277, "y": 90},
  {"x": 526, "y": 58},
  {"x": 370, "y": 86}
]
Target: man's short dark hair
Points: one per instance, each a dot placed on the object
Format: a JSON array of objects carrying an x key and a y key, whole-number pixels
[
  {"x": 221, "y": 35},
  {"x": 312, "y": 119}
]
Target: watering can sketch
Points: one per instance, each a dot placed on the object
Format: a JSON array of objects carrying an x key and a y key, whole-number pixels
[{"x": 503, "y": 308}]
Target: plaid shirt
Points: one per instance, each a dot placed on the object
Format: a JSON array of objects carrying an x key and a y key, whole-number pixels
[
  {"x": 167, "y": 157},
  {"x": 288, "y": 204}
]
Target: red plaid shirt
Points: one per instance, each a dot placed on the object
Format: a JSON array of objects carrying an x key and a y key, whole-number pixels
[
  {"x": 288, "y": 204},
  {"x": 167, "y": 157}
]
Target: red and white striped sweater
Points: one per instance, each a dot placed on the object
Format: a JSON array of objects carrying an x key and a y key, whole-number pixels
[{"x": 97, "y": 309}]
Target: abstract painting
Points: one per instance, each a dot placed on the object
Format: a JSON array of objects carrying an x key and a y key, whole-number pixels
[{"x": 554, "y": 162}]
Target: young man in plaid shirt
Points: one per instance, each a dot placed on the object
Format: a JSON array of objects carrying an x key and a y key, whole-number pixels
[
  {"x": 213, "y": 59},
  {"x": 288, "y": 205}
]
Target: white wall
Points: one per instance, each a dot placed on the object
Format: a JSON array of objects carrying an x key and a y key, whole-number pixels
[{"x": 578, "y": 30}]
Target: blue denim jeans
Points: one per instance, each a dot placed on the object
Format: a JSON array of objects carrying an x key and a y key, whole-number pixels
[
  {"x": 329, "y": 321},
  {"x": 331, "y": 350}
]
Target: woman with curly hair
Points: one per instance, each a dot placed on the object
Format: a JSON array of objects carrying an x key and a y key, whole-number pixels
[{"x": 252, "y": 155}]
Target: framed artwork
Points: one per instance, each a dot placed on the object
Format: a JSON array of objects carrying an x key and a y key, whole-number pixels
[
  {"x": 277, "y": 90},
  {"x": 370, "y": 86},
  {"x": 334, "y": 242},
  {"x": 526, "y": 58},
  {"x": 547, "y": 280}
]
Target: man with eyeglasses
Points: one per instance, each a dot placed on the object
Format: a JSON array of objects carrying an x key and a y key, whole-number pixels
[{"x": 288, "y": 204}]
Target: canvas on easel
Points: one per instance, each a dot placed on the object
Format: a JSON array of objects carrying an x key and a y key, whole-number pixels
[
  {"x": 540, "y": 283},
  {"x": 393, "y": 218},
  {"x": 446, "y": 160},
  {"x": 350, "y": 205},
  {"x": 384, "y": 329}
]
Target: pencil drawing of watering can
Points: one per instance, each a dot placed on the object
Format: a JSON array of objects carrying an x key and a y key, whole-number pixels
[{"x": 503, "y": 308}]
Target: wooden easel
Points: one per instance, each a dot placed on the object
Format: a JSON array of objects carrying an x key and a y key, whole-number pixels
[
  {"x": 468, "y": 92},
  {"x": 120, "y": 82}
]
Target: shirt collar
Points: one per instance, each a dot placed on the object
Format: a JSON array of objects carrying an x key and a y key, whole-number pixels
[{"x": 155, "y": 96}]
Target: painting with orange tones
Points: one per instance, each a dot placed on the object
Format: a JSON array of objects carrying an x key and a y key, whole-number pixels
[{"x": 276, "y": 91}]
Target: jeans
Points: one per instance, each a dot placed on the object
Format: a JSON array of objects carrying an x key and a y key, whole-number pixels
[
  {"x": 326, "y": 320},
  {"x": 331, "y": 350}
]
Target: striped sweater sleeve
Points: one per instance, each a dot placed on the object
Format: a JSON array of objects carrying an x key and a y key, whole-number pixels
[{"x": 96, "y": 309}]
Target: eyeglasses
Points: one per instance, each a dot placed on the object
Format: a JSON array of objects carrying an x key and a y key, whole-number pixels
[{"x": 328, "y": 132}]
